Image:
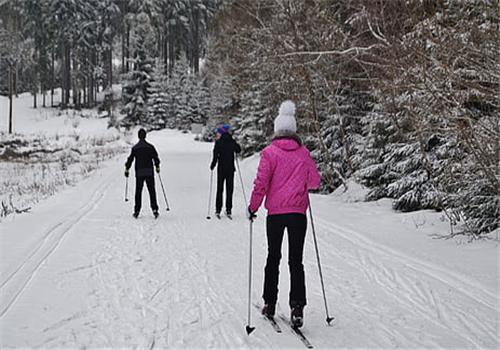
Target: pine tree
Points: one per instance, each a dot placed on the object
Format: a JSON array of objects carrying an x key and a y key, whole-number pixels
[
  {"x": 251, "y": 126},
  {"x": 158, "y": 102},
  {"x": 137, "y": 83},
  {"x": 189, "y": 97}
]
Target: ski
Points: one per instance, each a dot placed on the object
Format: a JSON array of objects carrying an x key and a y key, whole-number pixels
[
  {"x": 298, "y": 333},
  {"x": 274, "y": 324},
  {"x": 271, "y": 320}
]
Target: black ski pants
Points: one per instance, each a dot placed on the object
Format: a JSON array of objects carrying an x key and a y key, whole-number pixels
[
  {"x": 228, "y": 178},
  {"x": 139, "y": 184},
  {"x": 296, "y": 225}
]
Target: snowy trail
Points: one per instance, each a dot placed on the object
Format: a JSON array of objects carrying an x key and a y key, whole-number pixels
[
  {"x": 12, "y": 286},
  {"x": 96, "y": 277},
  {"x": 410, "y": 299}
]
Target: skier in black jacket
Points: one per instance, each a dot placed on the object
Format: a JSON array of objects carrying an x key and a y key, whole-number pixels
[
  {"x": 223, "y": 156},
  {"x": 145, "y": 156}
]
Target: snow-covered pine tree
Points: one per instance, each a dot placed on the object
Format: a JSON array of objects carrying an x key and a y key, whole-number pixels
[
  {"x": 137, "y": 83},
  {"x": 200, "y": 101},
  {"x": 189, "y": 97},
  {"x": 178, "y": 95},
  {"x": 158, "y": 101},
  {"x": 251, "y": 125},
  {"x": 399, "y": 159}
]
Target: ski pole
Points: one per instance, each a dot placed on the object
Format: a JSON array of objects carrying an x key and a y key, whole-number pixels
[
  {"x": 126, "y": 189},
  {"x": 164, "y": 195},
  {"x": 328, "y": 318},
  {"x": 249, "y": 328},
  {"x": 241, "y": 180},
  {"x": 210, "y": 194}
]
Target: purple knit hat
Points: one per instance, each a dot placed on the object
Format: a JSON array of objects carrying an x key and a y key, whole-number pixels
[{"x": 222, "y": 129}]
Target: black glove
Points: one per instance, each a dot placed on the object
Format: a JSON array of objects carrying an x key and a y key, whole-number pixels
[
  {"x": 126, "y": 173},
  {"x": 212, "y": 166},
  {"x": 158, "y": 169},
  {"x": 250, "y": 214}
]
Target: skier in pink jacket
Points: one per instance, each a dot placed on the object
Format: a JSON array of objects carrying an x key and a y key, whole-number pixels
[{"x": 285, "y": 175}]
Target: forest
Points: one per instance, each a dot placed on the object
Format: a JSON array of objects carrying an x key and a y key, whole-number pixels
[{"x": 401, "y": 96}]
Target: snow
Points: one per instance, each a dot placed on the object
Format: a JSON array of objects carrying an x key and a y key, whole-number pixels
[
  {"x": 49, "y": 121},
  {"x": 49, "y": 149},
  {"x": 79, "y": 271}
]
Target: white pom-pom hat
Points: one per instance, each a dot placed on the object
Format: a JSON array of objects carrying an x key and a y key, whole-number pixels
[{"x": 285, "y": 121}]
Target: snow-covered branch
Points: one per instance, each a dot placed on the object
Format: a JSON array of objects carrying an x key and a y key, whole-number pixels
[{"x": 355, "y": 50}]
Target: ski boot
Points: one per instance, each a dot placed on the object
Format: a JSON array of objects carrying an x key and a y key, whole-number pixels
[
  {"x": 297, "y": 316},
  {"x": 217, "y": 215},
  {"x": 268, "y": 310},
  {"x": 135, "y": 214},
  {"x": 155, "y": 214},
  {"x": 229, "y": 215}
]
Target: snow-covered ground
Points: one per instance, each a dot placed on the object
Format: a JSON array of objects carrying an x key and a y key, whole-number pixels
[
  {"x": 49, "y": 150},
  {"x": 79, "y": 271}
]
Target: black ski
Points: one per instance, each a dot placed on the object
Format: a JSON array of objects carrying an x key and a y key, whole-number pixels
[
  {"x": 271, "y": 320},
  {"x": 298, "y": 333},
  {"x": 274, "y": 324}
]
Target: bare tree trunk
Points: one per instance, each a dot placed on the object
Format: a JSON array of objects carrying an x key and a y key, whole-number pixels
[
  {"x": 16, "y": 72},
  {"x": 85, "y": 101},
  {"x": 171, "y": 50},
  {"x": 11, "y": 91},
  {"x": 165, "y": 51},
  {"x": 196, "y": 41},
  {"x": 63, "y": 76},
  {"x": 90, "y": 81},
  {"x": 15, "y": 80},
  {"x": 127, "y": 63},
  {"x": 74, "y": 80},
  {"x": 123, "y": 53},
  {"x": 36, "y": 81},
  {"x": 110, "y": 65},
  {"x": 52, "y": 78},
  {"x": 66, "y": 74}
]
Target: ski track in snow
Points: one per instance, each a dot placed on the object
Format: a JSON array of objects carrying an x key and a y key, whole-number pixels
[
  {"x": 14, "y": 284},
  {"x": 181, "y": 281},
  {"x": 432, "y": 293}
]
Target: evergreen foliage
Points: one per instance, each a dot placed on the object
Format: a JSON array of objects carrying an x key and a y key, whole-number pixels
[
  {"x": 401, "y": 95},
  {"x": 158, "y": 102},
  {"x": 137, "y": 84},
  {"x": 253, "y": 121}
]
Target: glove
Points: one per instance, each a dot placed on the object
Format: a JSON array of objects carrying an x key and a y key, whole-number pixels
[
  {"x": 250, "y": 214},
  {"x": 126, "y": 173},
  {"x": 158, "y": 169},
  {"x": 212, "y": 166}
]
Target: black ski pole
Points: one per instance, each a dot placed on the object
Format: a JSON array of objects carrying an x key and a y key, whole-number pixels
[
  {"x": 164, "y": 195},
  {"x": 241, "y": 180},
  {"x": 249, "y": 328},
  {"x": 126, "y": 189},
  {"x": 210, "y": 194},
  {"x": 328, "y": 318}
]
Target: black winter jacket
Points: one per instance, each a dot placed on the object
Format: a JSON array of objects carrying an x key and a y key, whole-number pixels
[
  {"x": 223, "y": 155},
  {"x": 145, "y": 155}
]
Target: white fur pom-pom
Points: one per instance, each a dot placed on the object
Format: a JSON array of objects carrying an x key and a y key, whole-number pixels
[{"x": 287, "y": 108}]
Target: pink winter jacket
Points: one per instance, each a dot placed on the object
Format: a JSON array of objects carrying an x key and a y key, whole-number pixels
[{"x": 285, "y": 175}]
